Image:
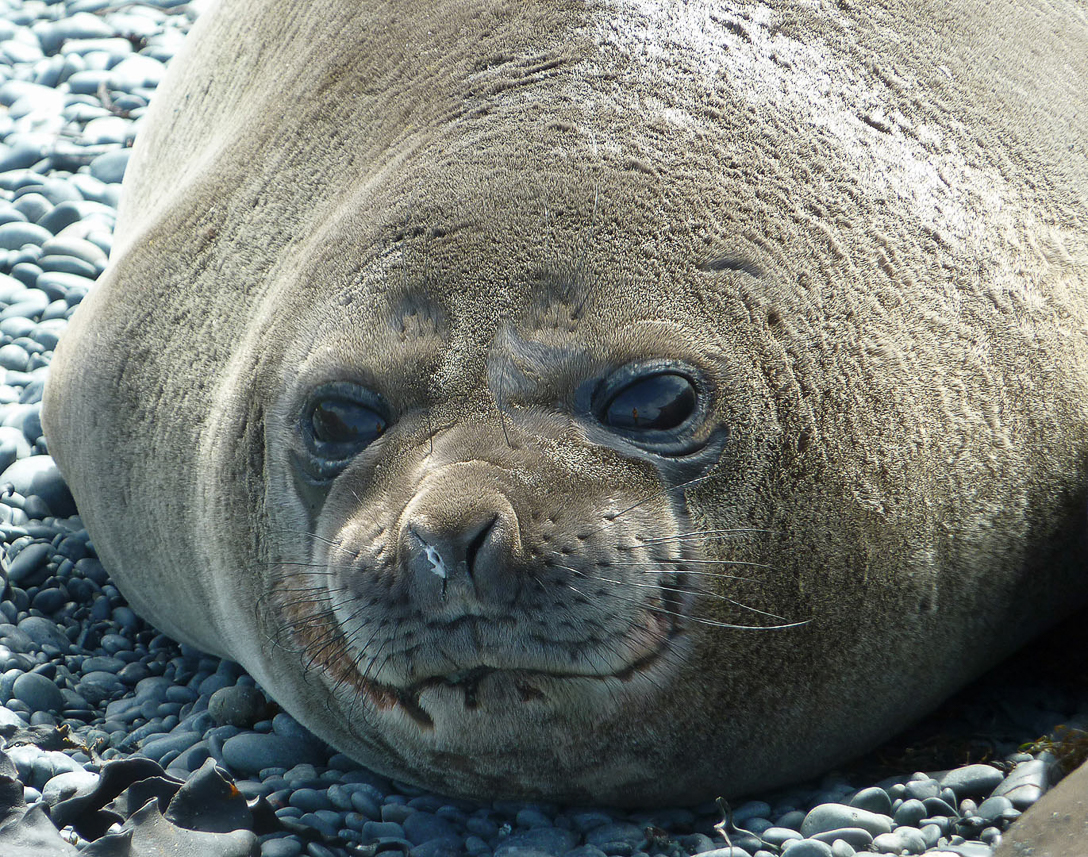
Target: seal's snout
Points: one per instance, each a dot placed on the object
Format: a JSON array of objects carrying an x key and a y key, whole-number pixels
[{"x": 459, "y": 543}]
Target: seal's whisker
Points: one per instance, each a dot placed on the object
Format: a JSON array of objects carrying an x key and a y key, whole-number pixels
[
  {"x": 661, "y": 638},
  {"x": 356, "y": 659},
  {"x": 702, "y": 534},
  {"x": 717, "y": 575},
  {"x": 305, "y": 534},
  {"x": 612, "y": 517},
  {"x": 679, "y": 590},
  {"x": 702, "y": 620},
  {"x": 322, "y": 568},
  {"x": 318, "y": 595},
  {"x": 327, "y": 638}
]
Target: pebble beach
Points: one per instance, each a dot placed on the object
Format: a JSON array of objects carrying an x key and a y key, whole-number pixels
[{"x": 116, "y": 740}]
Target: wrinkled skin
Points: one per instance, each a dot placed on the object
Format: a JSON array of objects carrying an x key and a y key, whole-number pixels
[{"x": 857, "y": 234}]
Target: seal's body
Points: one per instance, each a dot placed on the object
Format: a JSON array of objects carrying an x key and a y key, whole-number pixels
[{"x": 627, "y": 400}]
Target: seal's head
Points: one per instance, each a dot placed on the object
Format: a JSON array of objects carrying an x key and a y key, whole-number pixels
[
  {"x": 588, "y": 400},
  {"x": 485, "y": 550}
]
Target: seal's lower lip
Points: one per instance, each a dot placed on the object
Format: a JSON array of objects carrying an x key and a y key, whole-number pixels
[{"x": 527, "y": 683}]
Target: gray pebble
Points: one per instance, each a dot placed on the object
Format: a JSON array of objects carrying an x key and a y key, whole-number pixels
[
  {"x": 56, "y": 264},
  {"x": 310, "y": 800},
  {"x": 382, "y": 830},
  {"x": 29, "y": 565},
  {"x": 972, "y": 780},
  {"x": 618, "y": 831},
  {"x": 20, "y": 156},
  {"x": 751, "y": 809},
  {"x": 550, "y": 840},
  {"x": 30, "y": 304},
  {"x": 910, "y": 812},
  {"x": 251, "y": 753},
  {"x": 33, "y": 206},
  {"x": 920, "y": 787},
  {"x": 792, "y": 819},
  {"x": 397, "y": 812},
  {"x": 38, "y": 693},
  {"x": 777, "y": 836},
  {"x": 14, "y": 235},
  {"x": 75, "y": 248},
  {"x": 859, "y": 839},
  {"x": 136, "y": 72},
  {"x": 873, "y": 799},
  {"x": 68, "y": 784},
  {"x": 14, "y": 357},
  {"x": 14, "y": 436},
  {"x": 1027, "y": 782},
  {"x": 992, "y": 808},
  {"x": 584, "y": 820},
  {"x": 10, "y": 291},
  {"x": 932, "y": 834},
  {"x": 109, "y": 168},
  {"x": 158, "y": 746},
  {"x": 903, "y": 840},
  {"x": 967, "y": 849},
  {"x": 728, "y": 851},
  {"x": 422, "y": 827},
  {"x": 45, "y": 633},
  {"x": 238, "y": 705},
  {"x": 38, "y": 475},
  {"x": 809, "y": 848},
  {"x": 285, "y": 846},
  {"x": 366, "y": 804},
  {"x": 831, "y": 816}
]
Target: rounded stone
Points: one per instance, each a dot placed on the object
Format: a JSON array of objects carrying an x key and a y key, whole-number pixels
[
  {"x": 109, "y": 168},
  {"x": 38, "y": 693},
  {"x": 29, "y": 564},
  {"x": 832, "y": 816},
  {"x": 15, "y": 235},
  {"x": 858, "y": 839},
  {"x": 237, "y": 705},
  {"x": 910, "y": 812},
  {"x": 809, "y": 848},
  {"x": 904, "y": 840},
  {"x": 38, "y": 475},
  {"x": 45, "y": 632},
  {"x": 251, "y": 753},
  {"x": 68, "y": 784},
  {"x": 874, "y": 800}
]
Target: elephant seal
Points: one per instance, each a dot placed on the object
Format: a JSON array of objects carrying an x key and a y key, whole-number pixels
[{"x": 614, "y": 400}]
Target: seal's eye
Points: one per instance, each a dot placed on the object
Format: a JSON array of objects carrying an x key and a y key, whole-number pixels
[
  {"x": 656, "y": 402},
  {"x": 337, "y": 422},
  {"x": 343, "y": 423}
]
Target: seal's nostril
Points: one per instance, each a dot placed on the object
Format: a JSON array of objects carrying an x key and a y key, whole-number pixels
[{"x": 478, "y": 542}]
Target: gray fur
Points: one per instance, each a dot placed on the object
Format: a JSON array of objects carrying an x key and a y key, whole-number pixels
[{"x": 865, "y": 223}]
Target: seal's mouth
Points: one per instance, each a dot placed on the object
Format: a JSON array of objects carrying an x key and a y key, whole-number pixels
[{"x": 529, "y": 686}]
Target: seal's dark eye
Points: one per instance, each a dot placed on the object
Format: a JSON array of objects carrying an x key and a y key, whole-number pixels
[
  {"x": 654, "y": 403},
  {"x": 337, "y": 422},
  {"x": 347, "y": 424}
]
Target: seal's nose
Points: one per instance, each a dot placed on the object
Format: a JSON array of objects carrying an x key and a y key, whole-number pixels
[{"x": 459, "y": 544}]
